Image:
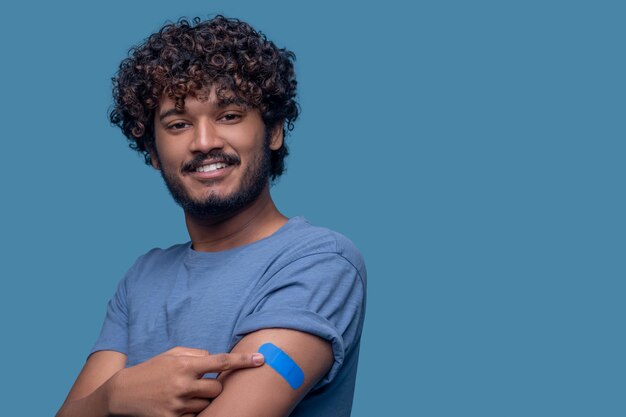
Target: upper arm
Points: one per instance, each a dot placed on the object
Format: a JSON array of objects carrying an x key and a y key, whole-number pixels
[
  {"x": 321, "y": 297},
  {"x": 266, "y": 393},
  {"x": 100, "y": 366}
]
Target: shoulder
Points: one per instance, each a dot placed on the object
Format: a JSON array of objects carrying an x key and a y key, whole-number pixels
[
  {"x": 303, "y": 239},
  {"x": 315, "y": 284},
  {"x": 302, "y": 252},
  {"x": 156, "y": 259}
]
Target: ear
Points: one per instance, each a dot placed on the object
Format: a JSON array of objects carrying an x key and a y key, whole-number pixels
[
  {"x": 276, "y": 140},
  {"x": 154, "y": 161}
]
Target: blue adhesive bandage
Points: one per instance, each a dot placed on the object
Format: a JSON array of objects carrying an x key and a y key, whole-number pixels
[{"x": 283, "y": 364}]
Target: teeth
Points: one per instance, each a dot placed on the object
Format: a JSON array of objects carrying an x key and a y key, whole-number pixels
[{"x": 211, "y": 167}]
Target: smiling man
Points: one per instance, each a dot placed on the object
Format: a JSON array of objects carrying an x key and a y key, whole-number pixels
[
  {"x": 208, "y": 104},
  {"x": 204, "y": 178}
]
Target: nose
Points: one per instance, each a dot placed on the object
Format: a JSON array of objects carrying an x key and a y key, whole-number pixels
[{"x": 206, "y": 137}]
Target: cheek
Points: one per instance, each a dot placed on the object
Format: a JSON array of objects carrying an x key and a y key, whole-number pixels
[
  {"x": 168, "y": 152},
  {"x": 252, "y": 148}
]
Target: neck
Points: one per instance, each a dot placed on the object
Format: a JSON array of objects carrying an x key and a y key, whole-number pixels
[{"x": 217, "y": 233}]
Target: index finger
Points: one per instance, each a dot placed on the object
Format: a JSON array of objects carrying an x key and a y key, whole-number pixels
[{"x": 226, "y": 361}]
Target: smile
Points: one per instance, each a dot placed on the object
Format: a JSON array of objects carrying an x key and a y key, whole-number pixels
[
  {"x": 210, "y": 171},
  {"x": 211, "y": 167}
]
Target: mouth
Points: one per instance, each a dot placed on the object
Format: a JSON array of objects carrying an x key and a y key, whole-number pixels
[
  {"x": 211, "y": 167},
  {"x": 210, "y": 163}
]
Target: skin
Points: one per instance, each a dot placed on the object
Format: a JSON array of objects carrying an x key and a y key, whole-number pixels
[
  {"x": 168, "y": 385},
  {"x": 266, "y": 393},
  {"x": 171, "y": 384},
  {"x": 205, "y": 126}
]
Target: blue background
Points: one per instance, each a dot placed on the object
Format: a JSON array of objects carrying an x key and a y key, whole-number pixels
[{"x": 474, "y": 151}]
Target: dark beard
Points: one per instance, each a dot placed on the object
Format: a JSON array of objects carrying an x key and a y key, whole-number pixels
[{"x": 252, "y": 184}]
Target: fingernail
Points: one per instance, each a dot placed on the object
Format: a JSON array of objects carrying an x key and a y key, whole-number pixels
[{"x": 257, "y": 359}]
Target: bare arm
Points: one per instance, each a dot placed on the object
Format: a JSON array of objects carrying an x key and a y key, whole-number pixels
[
  {"x": 88, "y": 395},
  {"x": 168, "y": 385},
  {"x": 262, "y": 391}
]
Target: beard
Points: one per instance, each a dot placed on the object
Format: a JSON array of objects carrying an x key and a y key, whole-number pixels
[{"x": 253, "y": 182}]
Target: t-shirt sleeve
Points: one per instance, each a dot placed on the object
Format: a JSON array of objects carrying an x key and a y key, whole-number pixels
[
  {"x": 114, "y": 333},
  {"x": 322, "y": 294}
]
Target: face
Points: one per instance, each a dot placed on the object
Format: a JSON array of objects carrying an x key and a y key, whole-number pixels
[{"x": 214, "y": 155}]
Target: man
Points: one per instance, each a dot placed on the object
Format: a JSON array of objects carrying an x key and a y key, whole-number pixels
[{"x": 208, "y": 104}]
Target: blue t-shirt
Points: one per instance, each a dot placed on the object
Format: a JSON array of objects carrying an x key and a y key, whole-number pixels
[{"x": 302, "y": 277}]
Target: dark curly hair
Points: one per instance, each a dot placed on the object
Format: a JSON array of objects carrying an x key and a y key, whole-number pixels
[{"x": 188, "y": 57}]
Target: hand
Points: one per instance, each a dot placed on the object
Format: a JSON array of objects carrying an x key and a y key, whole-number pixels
[{"x": 171, "y": 384}]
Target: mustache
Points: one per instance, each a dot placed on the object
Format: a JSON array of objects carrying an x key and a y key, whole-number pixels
[{"x": 213, "y": 156}]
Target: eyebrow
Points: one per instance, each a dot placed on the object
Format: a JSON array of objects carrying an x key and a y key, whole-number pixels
[
  {"x": 225, "y": 102},
  {"x": 169, "y": 112}
]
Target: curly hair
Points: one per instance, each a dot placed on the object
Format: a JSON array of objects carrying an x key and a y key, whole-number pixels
[{"x": 187, "y": 57}]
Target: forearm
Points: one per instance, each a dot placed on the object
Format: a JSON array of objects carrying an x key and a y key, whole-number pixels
[{"x": 95, "y": 404}]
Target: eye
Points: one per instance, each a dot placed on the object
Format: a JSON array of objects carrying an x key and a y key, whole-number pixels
[
  {"x": 178, "y": 125},
  {"x": 231, "y": 117}
]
